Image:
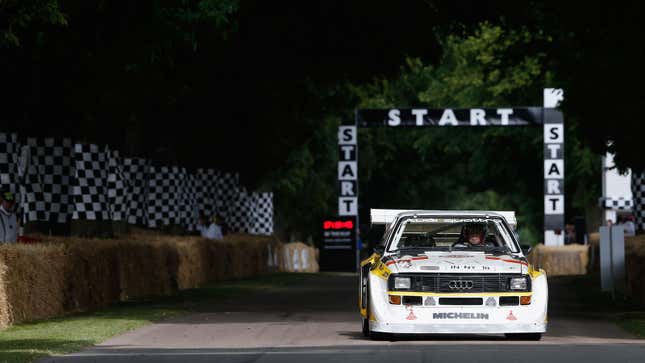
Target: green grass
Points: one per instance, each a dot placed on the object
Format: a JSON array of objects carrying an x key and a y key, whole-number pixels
[
  {"x": 633, "y": 323},
  {"x": 30, "y": 341}
]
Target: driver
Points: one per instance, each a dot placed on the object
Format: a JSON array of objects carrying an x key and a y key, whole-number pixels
[{"x": 473, "y": 233}]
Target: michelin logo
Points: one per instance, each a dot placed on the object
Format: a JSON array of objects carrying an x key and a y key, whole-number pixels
[{"x": 477, "y": 316}]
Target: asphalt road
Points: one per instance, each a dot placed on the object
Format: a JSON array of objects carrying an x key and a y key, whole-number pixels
[{"x": 316, "y": 321}]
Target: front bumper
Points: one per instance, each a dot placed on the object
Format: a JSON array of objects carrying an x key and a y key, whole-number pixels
[
  {"x": 458, "y": 319},
  {"x": 429, "y": 328}
]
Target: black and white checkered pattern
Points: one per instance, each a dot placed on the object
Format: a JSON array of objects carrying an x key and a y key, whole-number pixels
[
  {"x": 227, "y": 193},
  {"x": 117, "y": 187},
  {"x": 616, "y": 203},
  {"x": 90, "y": 184},
  {"x": 9, "y": 163},
  {"x": 240, "y": 216},
  {"x": 206, "y": 190},
  {"x": 135, "y": 172},
  {"x": 47, "y": 180},
  {"x": 57, "y": 180},
  {"x": 164, "y": 195},
  {"x": 189, "y": 204},
  {"x": 263, "y": 213},
  {"x": 638, "y": 199}
]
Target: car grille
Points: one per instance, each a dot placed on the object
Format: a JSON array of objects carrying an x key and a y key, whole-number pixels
[{"x": 438, "y": 282}]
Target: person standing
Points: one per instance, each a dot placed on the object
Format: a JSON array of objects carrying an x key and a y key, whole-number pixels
[
  {"x": 8, "y": 219},
  {"x": 208, "y": 229}
]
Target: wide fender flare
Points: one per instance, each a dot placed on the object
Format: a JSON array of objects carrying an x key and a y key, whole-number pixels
[{"x": 541, "y": 291}]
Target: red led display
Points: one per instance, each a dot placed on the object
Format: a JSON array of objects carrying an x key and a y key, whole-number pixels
[{"x": 338, "y": 224}]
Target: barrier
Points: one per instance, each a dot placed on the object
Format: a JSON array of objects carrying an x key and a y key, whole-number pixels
[
  {"x": 65, "y": 275},
  {"x": 561, "y": 260}
]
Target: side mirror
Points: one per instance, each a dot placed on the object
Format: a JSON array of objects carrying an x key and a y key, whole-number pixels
[
  {"x": 526, "y": 250},
  {"x": 379, "y": 250}
]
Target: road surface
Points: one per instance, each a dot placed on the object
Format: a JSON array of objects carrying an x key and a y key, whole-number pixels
[{"x": 315, "y": 320}]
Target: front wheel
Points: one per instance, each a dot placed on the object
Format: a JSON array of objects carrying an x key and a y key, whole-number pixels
[
  {"x": 524, "y": 336},
  {"x": 366, "y": 328}
]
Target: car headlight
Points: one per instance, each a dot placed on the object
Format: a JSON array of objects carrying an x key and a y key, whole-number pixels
[
  {"x": 401, "y": 282},
  {"x": 518, "y": 283}
]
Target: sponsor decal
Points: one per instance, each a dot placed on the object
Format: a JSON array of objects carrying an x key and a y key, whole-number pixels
[
  {"x": 473, "y": 316},
  {"x": 511, "y": 316},
  {"x": 404, "y": 263},
  {"x": 411, "y": 315}
]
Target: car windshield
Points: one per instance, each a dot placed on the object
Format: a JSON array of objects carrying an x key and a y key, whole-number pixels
[{"x": 440, "y": 234}]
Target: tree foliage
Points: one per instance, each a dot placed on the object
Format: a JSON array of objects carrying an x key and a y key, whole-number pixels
[{"x": 452, "y": 168}]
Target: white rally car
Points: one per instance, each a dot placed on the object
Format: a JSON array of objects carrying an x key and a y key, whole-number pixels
[{"x": 430, "y": 279}]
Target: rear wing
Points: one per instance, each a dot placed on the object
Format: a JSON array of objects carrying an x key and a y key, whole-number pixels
[{"x": 387, "y": 216}]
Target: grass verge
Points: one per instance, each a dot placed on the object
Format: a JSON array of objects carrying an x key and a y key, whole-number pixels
[
  {"x": 30, "y": 341},
  {"x": 634, "y": 323}
]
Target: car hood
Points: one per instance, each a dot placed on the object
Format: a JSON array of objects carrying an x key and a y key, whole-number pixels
[{"x": 456, "y": 262}]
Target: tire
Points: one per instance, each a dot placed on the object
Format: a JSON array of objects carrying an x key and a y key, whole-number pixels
[
  {"x": 380, "y": 336},
  {"x": 524, "y": 336},
  {"x": 366, "y": 328},
  {"x": 366, "y": 321}
]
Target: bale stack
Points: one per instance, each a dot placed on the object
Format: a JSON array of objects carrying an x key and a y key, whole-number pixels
[
  {"x": 561, "y": 260},
  {"x": 635, "y": 267},
  {"x": 33, "y": 283},
  {"x": 64, "y": 275},
  {"x": 299, "y": 257}
]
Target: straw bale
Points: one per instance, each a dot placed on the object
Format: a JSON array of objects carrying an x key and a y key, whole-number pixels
[
  {"x": 92, "y": 274},
  {"x": 34, "y": 281},
  {"x": 635, "y": 267},
  {"x": 561, "y": 260},
  {"x": 299, "y": 257},
  {"x": 5, "y": 319},
  {"x": 68, "y": 274}
]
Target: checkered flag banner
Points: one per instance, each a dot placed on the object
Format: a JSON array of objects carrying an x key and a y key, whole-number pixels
[
  {"x": 206, "y": 191},
  {"x": 240, "y": 216},
  {"x": 58, "y": 181},
  {"x": 616, "y": 203},
  {"x": 9, "y": 162},
  {"x": 226, "y": 195},
  {"x": 164, "y": 195},
  {"x": 90, "y": 183},
  {"x": 263, "y": 213},
  {"x": 117, "y": 187},
  {"x": 189, "y": 203},
  {"x": 135, "y": 172},
  {"x": 47, "y": 179},
  {"x": 638, "y": 199}
]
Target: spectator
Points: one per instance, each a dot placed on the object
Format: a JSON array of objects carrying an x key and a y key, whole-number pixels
[
  {"x": 219, "y": 220},
  {"x": 629, "y": 227},
  {"x": 8, "y": 219},
  {"x": 209, "y": 229},
  {"x": 569, "y": 234}
]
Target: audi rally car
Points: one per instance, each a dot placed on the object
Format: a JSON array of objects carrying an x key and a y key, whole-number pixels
[{"x": 433, "y": 278}]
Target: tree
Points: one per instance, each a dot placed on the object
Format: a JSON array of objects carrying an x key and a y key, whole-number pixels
[{"x": 500, "y": 168}]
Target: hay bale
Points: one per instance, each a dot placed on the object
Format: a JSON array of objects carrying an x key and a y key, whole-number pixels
[
  {"x": 561, "y": 260},
  {"x": 92, "y": 274},
  {"x": 192, "y": 264},
  {"x": 299, "y": 257},
  {"x": 68, "y": 274},
  {"x": 33, "y": 281},
  {"x": 5, "y": 318}
]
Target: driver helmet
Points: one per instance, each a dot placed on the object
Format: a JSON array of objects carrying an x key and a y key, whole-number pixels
[{"x": 470, "y": 229}]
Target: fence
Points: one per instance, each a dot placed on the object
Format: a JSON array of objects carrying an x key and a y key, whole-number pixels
[{"x": 58, "y": 181}]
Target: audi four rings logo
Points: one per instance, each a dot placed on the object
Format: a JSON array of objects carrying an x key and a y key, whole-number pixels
[{"x": 460, "y": 284}]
